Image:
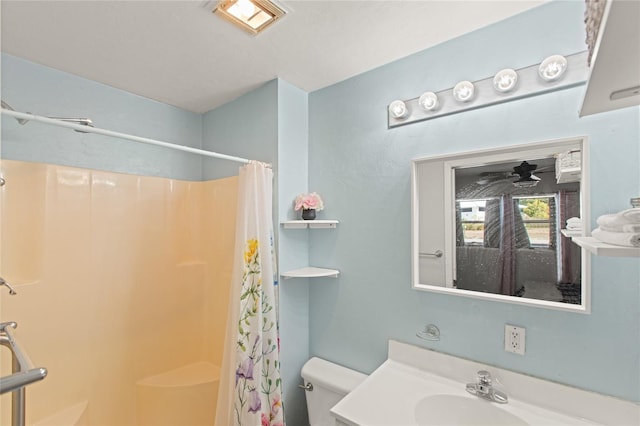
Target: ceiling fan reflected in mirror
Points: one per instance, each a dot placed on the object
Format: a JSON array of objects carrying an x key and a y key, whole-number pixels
[
  {"x": 526, "y": 178},
  {"x": 524, "y": 174}
]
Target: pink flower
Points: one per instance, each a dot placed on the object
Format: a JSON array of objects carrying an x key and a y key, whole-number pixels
[
  {"x": 308, "y": 201},
  {"x": 275, "y": 405},
  {"x": 264, "y": 420}
]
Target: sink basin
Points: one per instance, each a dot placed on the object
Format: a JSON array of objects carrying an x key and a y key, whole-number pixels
[
  {"x": 421, "y": 387},
  {"x": 445, "y": 410}
]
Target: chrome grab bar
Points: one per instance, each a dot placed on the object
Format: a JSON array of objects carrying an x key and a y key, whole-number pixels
[
  {"x": 21, "y": 379},
  {"x": 2, "y": 281},
  {"x": 23, "y": 373},
  {"x": 437, "y": 253}
]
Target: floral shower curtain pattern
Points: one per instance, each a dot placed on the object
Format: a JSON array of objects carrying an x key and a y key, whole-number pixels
[{"x": 250, "y": 390}]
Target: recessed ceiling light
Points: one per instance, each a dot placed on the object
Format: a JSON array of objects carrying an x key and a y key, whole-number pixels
[{"x": 252, "y": 16}]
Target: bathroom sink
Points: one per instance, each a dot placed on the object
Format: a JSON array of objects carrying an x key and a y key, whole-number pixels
[
  {"x": 421, "y": 387},
  {"x": 435, "y": 410}
]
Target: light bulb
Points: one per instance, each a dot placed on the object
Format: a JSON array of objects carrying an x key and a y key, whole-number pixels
[
  {"x": 464, "y": 91},
  {"x": 246, "y": 8},
  {"x": 505, "y": 80},
  {"x": 552, "y": 68},
  {"x": 428, "y": 101},
  {"x": 398, "y": 109}
]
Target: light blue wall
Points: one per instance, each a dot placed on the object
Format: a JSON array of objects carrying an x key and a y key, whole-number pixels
[
  {"x": 362, "y": 169},
  {"x": 34, "y": 88},
  {"x": 246, "y": 127},
  {"x": 293, "y": 131}
]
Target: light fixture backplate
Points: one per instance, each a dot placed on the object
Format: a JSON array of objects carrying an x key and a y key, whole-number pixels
[{"x": 529, "y": 84}]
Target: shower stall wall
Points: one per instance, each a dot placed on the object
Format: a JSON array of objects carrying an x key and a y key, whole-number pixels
[{"x": 120, "y": 278}]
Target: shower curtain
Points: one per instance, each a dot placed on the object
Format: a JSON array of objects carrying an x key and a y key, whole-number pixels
[
  {"x": 250, "y": 390},
  {"x": 508, "y": 246}
]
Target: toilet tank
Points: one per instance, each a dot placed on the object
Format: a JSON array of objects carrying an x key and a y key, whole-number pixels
[{"x": 331, "y": 382}]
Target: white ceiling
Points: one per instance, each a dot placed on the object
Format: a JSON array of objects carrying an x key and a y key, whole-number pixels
[{"x": 180, "y": 53}]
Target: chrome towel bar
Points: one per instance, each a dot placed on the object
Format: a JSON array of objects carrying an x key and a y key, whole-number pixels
[{"x": 437, "y": 253}]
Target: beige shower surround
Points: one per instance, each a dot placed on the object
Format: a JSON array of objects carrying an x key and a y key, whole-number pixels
[{"x": 119, "y": 277}]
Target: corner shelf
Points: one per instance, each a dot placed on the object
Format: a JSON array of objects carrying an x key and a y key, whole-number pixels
[
  {"x": 310, "y": 272},
  {"x": 302, "y": 224},
  {"x": 600, "y": 248}
]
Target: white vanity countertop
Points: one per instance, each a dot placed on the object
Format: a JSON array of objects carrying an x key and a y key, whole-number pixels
[{"x": 392, "y": 394}]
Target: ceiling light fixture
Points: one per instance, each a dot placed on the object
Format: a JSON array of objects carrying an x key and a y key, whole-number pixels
[
  {"x": 525, "y": 182},
  {"x": 252, "y": 16}
]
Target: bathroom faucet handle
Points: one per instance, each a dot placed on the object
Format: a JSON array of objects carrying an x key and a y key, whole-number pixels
[{"x": 484, "y": 376}]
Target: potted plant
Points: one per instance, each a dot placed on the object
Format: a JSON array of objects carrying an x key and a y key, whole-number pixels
[{"x": 309, "y": 204}]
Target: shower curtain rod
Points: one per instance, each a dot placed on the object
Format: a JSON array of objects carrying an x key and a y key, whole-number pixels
[{"x": 87, "y": 129}]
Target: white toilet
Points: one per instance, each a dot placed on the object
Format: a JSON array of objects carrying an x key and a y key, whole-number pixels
[{"x": 330, "y": 383}]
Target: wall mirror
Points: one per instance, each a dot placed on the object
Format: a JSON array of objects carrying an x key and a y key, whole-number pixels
[{"x": 492, "y": 224}]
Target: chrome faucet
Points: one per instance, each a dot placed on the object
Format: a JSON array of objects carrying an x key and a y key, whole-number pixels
[{"x": 484, "y": 389}]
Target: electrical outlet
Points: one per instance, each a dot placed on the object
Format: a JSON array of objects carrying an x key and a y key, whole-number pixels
[{"x": 514, "y": 338}]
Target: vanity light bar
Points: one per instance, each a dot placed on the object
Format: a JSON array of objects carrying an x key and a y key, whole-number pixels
[{"x": 508, "y": 85}]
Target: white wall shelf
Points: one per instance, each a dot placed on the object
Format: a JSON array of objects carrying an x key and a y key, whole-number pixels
[
  {"x": 302, "y": 224},
  {"x": 311, "y": 272},
  {"x": 599, "y": 248},
  {"x": 614, "y": 78},
  {"x": 571, "y": 233}
]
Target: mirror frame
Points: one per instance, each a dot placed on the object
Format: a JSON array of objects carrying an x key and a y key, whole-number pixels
[{"x": 486, "y": 157}]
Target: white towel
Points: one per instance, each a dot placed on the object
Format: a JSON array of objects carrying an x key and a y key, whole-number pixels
[
  {"x": 632, "y": 215},
  {"x": 631, "y": 228},
  {"x": 627, "y": 239},
  {"x": 615, "y": 222},
  {"x": 574, "y": 221},
  {"x": 623, "y": 228}
]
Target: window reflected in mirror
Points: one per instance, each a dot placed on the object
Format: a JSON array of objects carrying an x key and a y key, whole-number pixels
[{"x": 509, "y": 218}]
